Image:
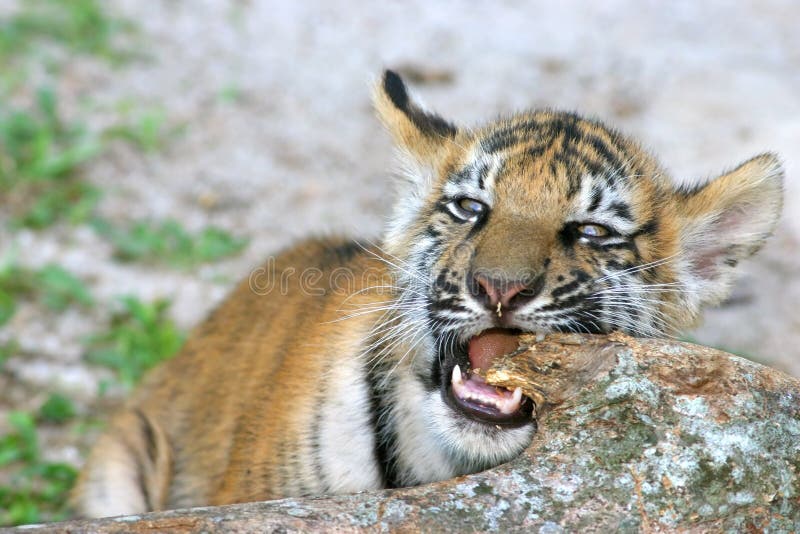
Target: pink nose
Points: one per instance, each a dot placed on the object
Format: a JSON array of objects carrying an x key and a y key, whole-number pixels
[{"x": 497, "y": 291}]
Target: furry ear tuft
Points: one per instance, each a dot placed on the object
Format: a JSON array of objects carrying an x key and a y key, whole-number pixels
[
  {"x": 424, "y": 140},
  {"x": 395, "y": 89},
  {"x": 725, "y": 221},
  {"x": 420, "y": 133}
]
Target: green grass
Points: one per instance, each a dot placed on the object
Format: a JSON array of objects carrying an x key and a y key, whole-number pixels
[
  {"x": 40, "y": 156},
  {"x": 38, "y": 145},
  {"x": 40, "y": 153},
  {"x": 79, "y": 26},
  {"x": 168, "y": 242},
  {"x": 57, "y": 409},
  {"x": 140, "y": 336},
  {"x": 38, "y": 489},
  {"x": 57, "y": 288},
  {"x": 43, "y": 155},
  {"x": 147, "y": 129},
  {"x": 73, "y": 202},
  {"x": 41, "y": 159},
  {"x": 52, "y": 286}
]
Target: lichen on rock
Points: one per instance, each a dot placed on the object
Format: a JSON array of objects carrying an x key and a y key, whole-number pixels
[{"x": 634, "y": 435}]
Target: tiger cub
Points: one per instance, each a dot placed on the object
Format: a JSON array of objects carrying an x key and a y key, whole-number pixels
[{"x": 346, "y": 366}]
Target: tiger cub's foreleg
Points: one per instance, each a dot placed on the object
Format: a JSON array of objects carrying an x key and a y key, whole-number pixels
[{"x": 129, "y": 471}]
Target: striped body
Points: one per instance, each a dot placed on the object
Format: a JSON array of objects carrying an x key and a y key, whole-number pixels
[{"x": 351, "y": 369}]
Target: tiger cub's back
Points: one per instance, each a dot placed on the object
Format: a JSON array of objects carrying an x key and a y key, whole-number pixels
[{"x": 259, "y": 403}]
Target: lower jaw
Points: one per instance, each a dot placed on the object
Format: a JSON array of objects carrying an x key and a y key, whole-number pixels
[{"x": 486, "y": 415}]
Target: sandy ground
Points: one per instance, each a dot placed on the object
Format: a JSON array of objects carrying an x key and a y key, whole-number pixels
[{"x": 704, "y": 84}]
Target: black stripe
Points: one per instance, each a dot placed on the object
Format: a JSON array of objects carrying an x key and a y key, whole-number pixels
[
  {"x": 432, "y": 232},
  {"x": 622, "y": 210},
  {"x": 605, "y": 152},
  {"x": 574, "y": 184},
  {"x": 537, "y": 151},
  {"x": 479, "y": 224},
  {"x": 573, "y": 157},
  {"x": 448, "y": 304},
  {"x": 500, "y": 141},
  {"x": 337, "y": 254},
  {"x": 316, "y": 424},
  {"x": 650, "y": 227},
  {"x": 616, "y": 265},
  {"x": 580, "y": 275},
  {"x": 443, "y": 285},
  {"x": 568, "y": 302},
  {"x": 597, "y": 197},
  {"x": 509, "y": 135},
  {"x": 553, "y": 167},
  {"x": 566, "y": 288},
  {"x": 482, "y": 172},
  {"x": 149, "y": 436},
  {"x": 622, "y": 245},
  {"x": 569, "y": 126},
  {"x": 383, "y": 431},
  {"x": 347, "y": 251},
  {"x": 458, "y": 178},
  {"x": 585, "y": 323},
  {"x": 568, "y": 236}
]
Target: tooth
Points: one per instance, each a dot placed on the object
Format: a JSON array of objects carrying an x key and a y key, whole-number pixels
[
  {"x": 511, "y": 405},
  {"x": 456, "y": 378},
  {"x": 459, "y": 388}
]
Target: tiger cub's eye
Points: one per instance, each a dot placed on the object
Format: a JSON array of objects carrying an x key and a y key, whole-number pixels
[
  {"x": 593, "y": 230},
  {"x": 467, "y": 209},
  {"x": 472, "y": 206}
]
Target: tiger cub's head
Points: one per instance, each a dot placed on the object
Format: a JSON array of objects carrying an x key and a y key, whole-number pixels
[{"x": 545, "y": 221}]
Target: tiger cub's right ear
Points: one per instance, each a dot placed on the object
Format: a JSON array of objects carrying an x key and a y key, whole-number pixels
[{"x": 422, "y": 134}]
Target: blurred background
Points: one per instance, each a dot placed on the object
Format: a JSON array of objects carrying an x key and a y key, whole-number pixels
[{"x": 152, "y": 153}]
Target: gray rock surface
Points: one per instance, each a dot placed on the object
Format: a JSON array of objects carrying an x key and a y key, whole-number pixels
[{"x": 659, "y": 436}]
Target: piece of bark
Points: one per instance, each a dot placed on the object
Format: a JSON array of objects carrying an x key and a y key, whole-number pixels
[
  {"x": 634, "y": 435},
  {"x": 554, "y": 368}
]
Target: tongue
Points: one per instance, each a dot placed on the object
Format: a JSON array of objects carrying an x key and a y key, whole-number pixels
[{"x": 490, "y": 344}]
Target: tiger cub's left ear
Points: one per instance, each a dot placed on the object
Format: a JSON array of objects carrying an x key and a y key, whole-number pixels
[
  {"x": 420, "y": 133},
  {"x": 725, "y": 221}
]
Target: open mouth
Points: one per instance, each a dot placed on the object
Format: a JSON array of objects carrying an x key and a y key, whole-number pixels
[{"x": 469, "y": 393}]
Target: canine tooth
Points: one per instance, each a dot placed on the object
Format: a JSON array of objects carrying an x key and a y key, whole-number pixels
[
  {"x": 456, "y": 378},
  {"x": 512, "y": 405}
]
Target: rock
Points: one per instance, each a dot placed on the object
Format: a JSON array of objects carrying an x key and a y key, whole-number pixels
[{"x": 634, "y": 435}]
